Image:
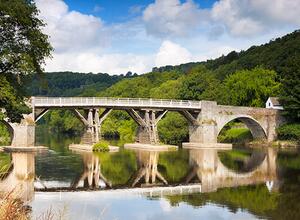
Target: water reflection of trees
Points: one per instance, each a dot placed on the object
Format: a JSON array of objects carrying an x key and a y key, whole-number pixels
[
  {"x": 113, "y": 169},
  {"x": 127, "y": 167},
  {"x": 118, "y": 167},
  {"x": 174, "y": 165},
  {"x": 257, "y": 199},
  {"x": 281, "y": 203}
]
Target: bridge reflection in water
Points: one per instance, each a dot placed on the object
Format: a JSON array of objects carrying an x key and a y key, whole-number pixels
[
  {"x": 207, "y": 173},
  {"x": 208, "y": 169}
]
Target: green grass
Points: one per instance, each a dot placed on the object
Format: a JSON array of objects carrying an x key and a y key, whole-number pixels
[
  {"x": 4, "y": 135},
  {"x": 5, "y": 163},
  {"x": 235, "y": 135}
]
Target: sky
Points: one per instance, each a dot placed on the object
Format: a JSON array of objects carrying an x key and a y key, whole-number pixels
[{"x": 117, "y": 36}]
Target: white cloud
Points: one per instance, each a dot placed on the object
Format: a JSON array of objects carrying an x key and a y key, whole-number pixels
[
  {"x": 107, "y": 63},
  {"x": 172, "y": 54},
  {"x": 71, "y": 30},
  {"x": 80, "y": 41},
  {"x": 172, "y": 18},
  {"x": 86, "y": 43},
  {"x": 248, "y": 17}
]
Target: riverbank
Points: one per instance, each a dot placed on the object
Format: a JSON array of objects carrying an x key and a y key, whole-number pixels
[{"x": 284, "y": 144}]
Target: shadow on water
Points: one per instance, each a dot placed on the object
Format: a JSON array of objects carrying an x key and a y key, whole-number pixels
[{"x": 261, "y": 183}]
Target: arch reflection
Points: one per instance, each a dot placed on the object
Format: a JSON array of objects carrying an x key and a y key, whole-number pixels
[{"x": 207, "y": 168}]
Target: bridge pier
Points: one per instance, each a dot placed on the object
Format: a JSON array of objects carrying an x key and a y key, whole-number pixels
[
  {"x": 92, "y": 121},
  {"x": 202, "y": 124},
  {"x": 147, "y": 124},
  {"x": 23, "y": 133}
]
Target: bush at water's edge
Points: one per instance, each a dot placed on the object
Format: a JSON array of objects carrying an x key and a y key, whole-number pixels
[{"x": 289, "y": 132}]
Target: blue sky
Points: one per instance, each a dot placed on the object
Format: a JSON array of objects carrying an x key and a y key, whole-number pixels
[
  {"x": 116, "y": 36},
  {"x": 112, "y": 11}
]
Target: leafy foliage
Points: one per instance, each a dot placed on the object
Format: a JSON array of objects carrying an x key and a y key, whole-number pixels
[
  {"x": 289, "y": 132},
  {"x": 23, "y": 48},
  {"x": 102, "y": 146},
  {"x": 251, "y": 87},
  {"x": 63, "y": 121},
  {"x": 199, "y": 84},
  {"x": 290, "y": 96},
  {"x": 173, "y": 129},
  {"x": 11, "y": 101},
  {"x": 70, "y": 83}
]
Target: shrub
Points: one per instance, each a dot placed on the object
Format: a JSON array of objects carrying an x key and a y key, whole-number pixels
[
  {"x": 102, "y": 146},
  {"x": 289, "y": 132},
  {"x": 11, "y": 208}
]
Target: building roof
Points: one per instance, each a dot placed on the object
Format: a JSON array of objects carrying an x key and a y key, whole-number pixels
[{"x": 275, "y": 101}]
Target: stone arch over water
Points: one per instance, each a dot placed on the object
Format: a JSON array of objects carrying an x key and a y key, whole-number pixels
[{"x": 256, "y": 129}]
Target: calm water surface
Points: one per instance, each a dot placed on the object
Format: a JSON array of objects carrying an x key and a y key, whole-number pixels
[{"x": 141, "y": 184}]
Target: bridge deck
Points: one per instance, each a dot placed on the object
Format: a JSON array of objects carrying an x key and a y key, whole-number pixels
[{"x": 118, "y": 103}]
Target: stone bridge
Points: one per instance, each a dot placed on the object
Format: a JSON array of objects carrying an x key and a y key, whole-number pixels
[{"x": 206, "y": 118}]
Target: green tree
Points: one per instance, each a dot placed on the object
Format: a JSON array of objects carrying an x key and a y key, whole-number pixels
[
  {"x": 200, "y": 83},
  {"x": 173, "y": 128},
  {"x": 250, "y": 87},
  {"x": 10, "y": 100},
  {"x": 167, "y": 90},
  {"x": 291, "y": 88},
  {"x": 63, "y": 121},
  {"x": 23, "y": 48}
]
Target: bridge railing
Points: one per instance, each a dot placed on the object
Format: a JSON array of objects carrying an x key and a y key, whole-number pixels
[{"x": 118, "y": 102}]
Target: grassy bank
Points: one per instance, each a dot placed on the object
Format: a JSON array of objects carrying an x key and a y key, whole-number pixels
[
  {"x": 4, "y": 135},
  {"x": 235, "y": 135}
]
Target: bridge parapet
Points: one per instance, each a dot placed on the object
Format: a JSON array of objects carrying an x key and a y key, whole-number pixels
[{"x": 122, "y": 103}]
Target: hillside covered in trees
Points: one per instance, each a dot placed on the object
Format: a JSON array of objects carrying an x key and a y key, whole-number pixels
[
  {"x": 70, "y": 83},
  {"x": 245, "y": 78}
]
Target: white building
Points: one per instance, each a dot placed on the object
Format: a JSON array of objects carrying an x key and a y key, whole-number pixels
[{"x": 273, "y": 102}]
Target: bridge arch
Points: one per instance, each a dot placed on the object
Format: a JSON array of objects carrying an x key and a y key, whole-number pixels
[
  {"x": 256, "y": 128},
  {"x": 10, "y": 129}
]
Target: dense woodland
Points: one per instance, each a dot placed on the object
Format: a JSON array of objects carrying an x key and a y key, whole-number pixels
[
  {"x": 245, "y": 78},
  {"x": 70, "y": 83}
]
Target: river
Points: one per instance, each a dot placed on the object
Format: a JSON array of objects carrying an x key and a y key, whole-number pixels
[{"x": 242, "y": 183}]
